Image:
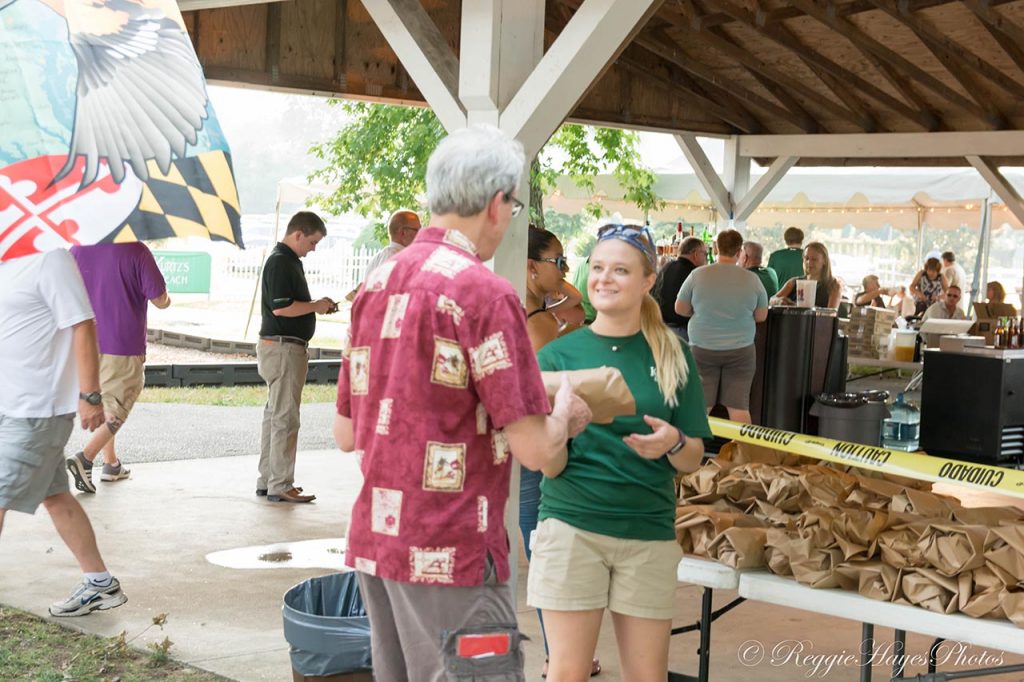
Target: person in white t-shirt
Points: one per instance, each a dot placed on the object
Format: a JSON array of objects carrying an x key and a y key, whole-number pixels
[
  {"x": 403, "y": 226},
  {"x": 954, "y": 272},
  {"x": 49, "y": 361}
]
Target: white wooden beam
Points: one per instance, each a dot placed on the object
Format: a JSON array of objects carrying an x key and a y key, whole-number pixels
[
  {"x": 501, "y": 43},
  {"x": 735, "y": 176},
  {"x": 190, "y": 5},
  {"x": 594, "y": 36},
  {"x": 705, "y": 172},
  {"x": 752, "y": 199},
  {"x": 885, "y": 145},
  {"x": 998, "y": 182},
  {"x": 421, "y": 48}
]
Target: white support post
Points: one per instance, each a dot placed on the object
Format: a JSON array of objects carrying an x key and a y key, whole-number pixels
[
  {"x": 596, "y": 34},
  {"x": 421, "y": 48},
  {"x": 735, "y": 175},
  {"x": 999, "y": 184},
  {"x": 705, "y": 172},
  {"x": 752, "y": 199}
]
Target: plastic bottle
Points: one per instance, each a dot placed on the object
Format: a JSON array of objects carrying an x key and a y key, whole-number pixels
[{"x": 902, "y": 430}]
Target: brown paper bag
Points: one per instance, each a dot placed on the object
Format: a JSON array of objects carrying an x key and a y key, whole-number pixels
[
  {"x": 879, "y": 581},
  {"x": 743, "y": 484},
  {"x": 931, "y": 590},
  {"x": 827, "y": 487},
  {"x": 701, "y": 486},
  {"x": 924, "y": 503},
  {"x": 743, "y": 453},
  {"x": 898, "y": 546},
  {"x": 740, "y": 547},
  {"x": 856, "y": 532},
  {"x": 1004, "y": 554},
  {"x": 1013, "y": 606},
  {"x": 772, "y": 515},
  {"x": 953, "y": 548},
  {"x": 603, "y": 390},
  {"x": 813, "y": 557},
  {"x": 989, "y": 516},
  {"x": 985, "y": 600},
  {"x": 775, "y": 551},
  {"x": 873, "y": 493},
  {"x": 697, "y": 526}
]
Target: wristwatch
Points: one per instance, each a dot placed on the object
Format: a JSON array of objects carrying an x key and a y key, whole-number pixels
[
  {"x": 678, "y": 446},
  {"x": 94, "y": 398}
]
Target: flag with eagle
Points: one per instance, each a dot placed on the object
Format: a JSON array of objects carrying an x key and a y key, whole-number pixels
[{"x": 106, "y": 130}]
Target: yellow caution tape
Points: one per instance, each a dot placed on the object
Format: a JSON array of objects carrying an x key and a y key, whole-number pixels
[{"x": 897, "y": 462}]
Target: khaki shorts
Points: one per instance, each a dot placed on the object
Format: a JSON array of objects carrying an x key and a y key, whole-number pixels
[
  {"x": 576, "y": 570},
  {"x": 32, "y": 460},
  {"x": 121, "y": 380}
]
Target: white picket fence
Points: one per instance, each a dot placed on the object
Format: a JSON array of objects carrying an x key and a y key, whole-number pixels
[{"x": 338, "y": 269}]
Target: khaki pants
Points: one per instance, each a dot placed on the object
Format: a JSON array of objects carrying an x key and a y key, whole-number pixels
[{"x": 283, "y": 366}]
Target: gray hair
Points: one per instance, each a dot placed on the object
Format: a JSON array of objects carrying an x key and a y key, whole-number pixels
[
  {"x": 755, "y": 252},
  {"x": 469, "y": 167}
]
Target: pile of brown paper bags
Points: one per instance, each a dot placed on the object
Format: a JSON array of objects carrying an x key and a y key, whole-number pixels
[{"x": 887, "y": 538}]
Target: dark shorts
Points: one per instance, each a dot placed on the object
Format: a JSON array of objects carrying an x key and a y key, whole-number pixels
[{"x": 726, "y": 375}]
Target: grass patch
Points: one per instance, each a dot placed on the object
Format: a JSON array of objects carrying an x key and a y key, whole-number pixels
[
  {"x": 35, "y": 649},
  {"x": 231, "y": 396}
]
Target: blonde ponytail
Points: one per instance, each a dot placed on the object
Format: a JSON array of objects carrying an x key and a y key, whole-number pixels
[{"x": 669, "y": 362}]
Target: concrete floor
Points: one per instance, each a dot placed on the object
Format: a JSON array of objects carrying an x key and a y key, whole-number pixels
[{"x": 156, "y": 530}]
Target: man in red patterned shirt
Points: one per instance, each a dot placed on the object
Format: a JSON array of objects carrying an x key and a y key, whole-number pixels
[{"x": 438, "y": 387}]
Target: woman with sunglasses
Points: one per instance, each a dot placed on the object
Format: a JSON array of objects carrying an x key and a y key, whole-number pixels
[
  {"x": 550, "y": 300},
  {"x": 545, "y": 288},
  {"x": 606, "y": 538}
]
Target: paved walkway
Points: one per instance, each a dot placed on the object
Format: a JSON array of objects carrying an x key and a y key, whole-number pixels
[{"x": 156, "y": 530}]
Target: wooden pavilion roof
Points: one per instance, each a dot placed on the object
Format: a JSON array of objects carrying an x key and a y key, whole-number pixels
[{"x": 718, "y": 67}]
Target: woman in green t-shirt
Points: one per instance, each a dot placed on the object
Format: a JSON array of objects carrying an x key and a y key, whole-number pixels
[{"x": 606, "y": 537}]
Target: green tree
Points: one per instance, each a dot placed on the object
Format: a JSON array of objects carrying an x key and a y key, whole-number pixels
[{"x": 378, "y": 162}]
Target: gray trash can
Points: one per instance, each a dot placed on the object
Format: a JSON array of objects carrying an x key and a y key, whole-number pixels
[
  {"x": 851, "y": 417},
  {"x": 326, "y": 625}
]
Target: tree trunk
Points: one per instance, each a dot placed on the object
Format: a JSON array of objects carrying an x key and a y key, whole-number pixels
[{"x": 536, "y": 195}]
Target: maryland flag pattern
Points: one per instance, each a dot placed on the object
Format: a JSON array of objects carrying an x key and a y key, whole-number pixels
[
  {"x": 197, "y": 198},
  {"x": 107, "y": 133}
]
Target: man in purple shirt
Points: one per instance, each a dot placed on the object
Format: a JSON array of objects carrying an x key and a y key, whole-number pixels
[{"x": 121, "y": 280}]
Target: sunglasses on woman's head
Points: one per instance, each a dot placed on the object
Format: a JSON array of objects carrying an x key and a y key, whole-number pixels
[{"x": 638, "y": 237}]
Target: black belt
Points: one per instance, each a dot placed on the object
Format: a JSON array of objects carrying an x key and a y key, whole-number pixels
[{"x": 286, "y": 339}]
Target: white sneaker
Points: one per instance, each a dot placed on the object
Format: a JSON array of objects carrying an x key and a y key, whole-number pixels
[{"x": 88, "y": 598}]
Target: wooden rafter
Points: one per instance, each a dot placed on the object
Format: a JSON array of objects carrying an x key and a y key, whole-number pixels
[
  {"x": 660, "y": 44},
  {"x": 936, "y": 41},
  {"x": 848, "y": 30},
  {"x": 740, "y": 120},
  {"x": 790, "y": 86},
  {"x": 844, "y": 80},
  {"x": 860, "y": 6},
  {"x": 1009, "y": 36}
]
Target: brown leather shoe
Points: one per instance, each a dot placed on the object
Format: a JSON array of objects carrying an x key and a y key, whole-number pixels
[{"x": 293, "y": 495}]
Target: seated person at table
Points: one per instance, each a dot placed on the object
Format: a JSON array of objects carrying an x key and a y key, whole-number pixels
[
  {"x": 994, "y": 293},
  {"x": 946, "y": 309},
  {"x": 872, "y": 291},
  {"x": 750, "y": 259},
  {"x": 817, "y": 267}
]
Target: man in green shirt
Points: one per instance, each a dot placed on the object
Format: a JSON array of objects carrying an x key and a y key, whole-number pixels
[
  {"x": 789, "y": 262},
  {"x": 750, "y": 259}
]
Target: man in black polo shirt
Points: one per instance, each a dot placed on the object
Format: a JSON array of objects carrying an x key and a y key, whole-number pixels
[
  {"x": 289, "y": 320},
  {"x": 692, "y": 254}
]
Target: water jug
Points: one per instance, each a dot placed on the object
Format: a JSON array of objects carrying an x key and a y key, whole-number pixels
[{"x": 902, "y": 430}]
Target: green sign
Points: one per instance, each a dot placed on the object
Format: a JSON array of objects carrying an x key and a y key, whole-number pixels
[{"x": 186, "y": 272}]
